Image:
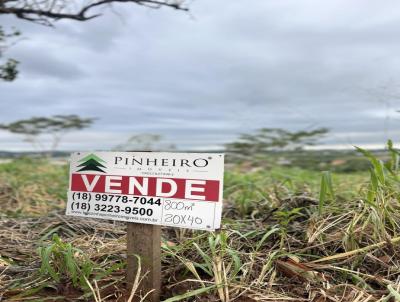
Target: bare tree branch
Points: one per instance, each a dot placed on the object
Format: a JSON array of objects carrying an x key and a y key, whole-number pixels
[{"x": 47, "y": 11}]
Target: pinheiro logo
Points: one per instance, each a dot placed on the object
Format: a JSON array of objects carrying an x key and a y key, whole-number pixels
[{"x": 91, "y": 162}]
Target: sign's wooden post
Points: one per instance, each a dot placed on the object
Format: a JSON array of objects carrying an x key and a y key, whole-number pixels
[{"x": 144, "y": 240}]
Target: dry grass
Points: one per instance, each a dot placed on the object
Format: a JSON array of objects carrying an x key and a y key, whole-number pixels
[{"x": 287, "y": 236}]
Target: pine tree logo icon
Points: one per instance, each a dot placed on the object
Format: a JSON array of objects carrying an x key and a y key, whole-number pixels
[{"x": 91, "y": 162}]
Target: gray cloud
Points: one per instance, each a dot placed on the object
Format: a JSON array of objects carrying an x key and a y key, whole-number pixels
[{"x": 227, "y": 68}]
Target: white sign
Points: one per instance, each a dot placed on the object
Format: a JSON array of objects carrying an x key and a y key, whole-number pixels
[{"x": 172, "y": 189}]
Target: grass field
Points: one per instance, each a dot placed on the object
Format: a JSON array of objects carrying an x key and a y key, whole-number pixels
[{"x": 288, "y": 234}]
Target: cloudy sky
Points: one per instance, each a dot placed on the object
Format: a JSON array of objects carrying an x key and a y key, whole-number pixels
[{"x": 201, "y": 78}]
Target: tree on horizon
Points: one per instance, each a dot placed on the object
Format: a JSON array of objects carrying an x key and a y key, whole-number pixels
[{"x": 34, "y": 130}]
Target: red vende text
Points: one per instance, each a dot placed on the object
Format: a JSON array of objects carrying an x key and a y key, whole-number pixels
[{"x": 147, "y": 186}]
